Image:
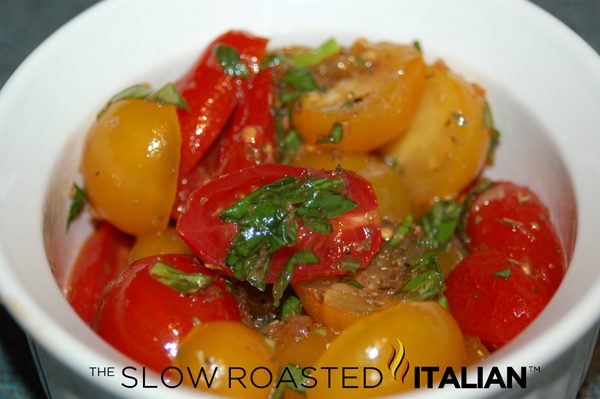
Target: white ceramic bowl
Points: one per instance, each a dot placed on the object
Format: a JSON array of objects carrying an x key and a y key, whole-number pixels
[{"x": 543, "y": 83}]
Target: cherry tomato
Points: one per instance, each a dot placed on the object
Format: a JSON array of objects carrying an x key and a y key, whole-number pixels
[
  {"x": 130, "y": 165},
  {"x": 512, "y": 220},
  {"x": 427, "y": 331},
  {"x": 475, "y": 351},
  {"x": 392, "y": 196},
  {"x": 447, "y": 143},
  {"x": 102, "y": 257},
  {"x": 159, "y": 243},
  {"x": 250, "y": 139},
  {"x": 299, "y": 341},
  {"x": 212, "y": 94},
  {"x": 374, "y": 105},
  {"x": 493, "y": 298},
  {"x": 224, "y": 347},
  {"x": 147, "y": 319},
  {"x": 355, "y": 233}
]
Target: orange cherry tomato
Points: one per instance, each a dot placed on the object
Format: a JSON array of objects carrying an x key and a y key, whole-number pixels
[
  {"x": 373, "y": 106},
  {"x": 159, "y": 243}
]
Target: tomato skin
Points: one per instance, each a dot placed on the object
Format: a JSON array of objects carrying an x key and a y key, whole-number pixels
[
  {"x": 210, "y": 237},
  {"x": 212, "y": 95},
  {"x": 512, "y": 220},
  {"x": 427, "y": 331},
  {"x": 147, "y": 320},
  {"x": 250, "y": 140},
  {"x": 221, "y": 346},
  {"x": 491, "y": 307},
  {"x": 102, "y": 257}
]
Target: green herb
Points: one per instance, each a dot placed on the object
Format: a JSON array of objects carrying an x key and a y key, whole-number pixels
[
  {"x": 417, "y": 44},
  {"x": 229, "y": 59},
  {"x": 291, "y": 143},
  {"x": 502, "y": 273},
  {"x": 425, "y": 286},
  {"x": 302, "y": 257},
  {"x": 443, "y": 301},
  {"x": 401, "y": 231},
  {"x": 347, "y": 103},
  {"x": 301, "y": 79},
  {"x": 292, "y": 377},
  {"x": 321, "y": 331},
  {"x": 334, "y": 136},
  {"x": 488, "y": 123},
  {"x": 272, "y": 60},
  {"x": 291, "y": 306},
  {"x": 327, "y": 49},
  {"x": 440, "y": 223},
  {"x": 352, "y": 283},
  {"x": 350, "y": 264},
  {"x": 479, "y": 188},
  {"x": 424, "y": 259},
  {"x": 77, "y": 202},
  {"x": 167, "y": 94},
  {"x": 185, "y": 283},
  {"x": 290, "y": 96}
]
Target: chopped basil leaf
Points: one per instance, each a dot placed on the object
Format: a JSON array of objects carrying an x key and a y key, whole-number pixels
[
  {"x": 301, "y": 79},
  {"x": 421, "y": 261},
  {"x": 291, "y": 143},
  {"x": 327, "y": 49},
  {"x": 425, "y": 286},
  {"x": 272, "y": 60},
  {"x": 350, "y": 264},
  {"x": 479, "y": 188},
  {"x": 229, "y": 59},
  {"x": 267, "y": 220},
  {"x": 401, "y": 231},
  {"x": 167, "y": 94},
  {"x": 502, "y": 273},
  {"x": 290, "y": 96},
  {"x": 417, "y": 45},
  {"x": 334, "y": 136},
  {"x": 488, "y": 123},
  {"x": 299, "y": 380},
  {"x": 440, "y": 223},
  {"x": 443, "y": 301},
  {"x": 185, "y": 283},
  {"x": 78, "y": 200},
  {"x": 352, "y": 283},
  {"x": 302, "y": 257},
  {"x": 291, "y": 306}
]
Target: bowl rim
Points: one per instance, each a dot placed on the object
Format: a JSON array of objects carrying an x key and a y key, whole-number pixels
[{"x": 579, "y": 321}]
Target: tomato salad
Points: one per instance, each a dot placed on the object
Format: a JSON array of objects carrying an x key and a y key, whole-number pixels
[{"x": 298, "y": 209}]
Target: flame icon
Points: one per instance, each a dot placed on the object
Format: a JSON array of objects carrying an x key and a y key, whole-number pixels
[{"x": 397, "y": 360}]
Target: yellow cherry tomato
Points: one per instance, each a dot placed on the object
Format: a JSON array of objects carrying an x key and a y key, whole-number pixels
[
  {"x": 428, "y": 333},
  {"x": 475, "y": 351},
  {"x": 374, "y": 104},
  {"x": 228, "y": 348},
  {"x": 161, "y": 242},
  {"x": 393, "y": 198},
  {"x": 130, "y": 165},
  {"x": 300, "y": 341},
  {"x": 446, "y": 145}
]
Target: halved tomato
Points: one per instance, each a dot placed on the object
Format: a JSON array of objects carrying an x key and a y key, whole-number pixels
[{"x": 354, "y": 236}]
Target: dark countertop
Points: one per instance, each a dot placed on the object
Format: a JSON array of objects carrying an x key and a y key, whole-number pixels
[{"x": 26, "y": 23}]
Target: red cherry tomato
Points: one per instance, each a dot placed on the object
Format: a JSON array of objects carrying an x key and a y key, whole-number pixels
[
  {"x": 147, "y": 319},
  {"x": 212, "y": 95},
  {"x": 493, "y": 298},
  {"x": 512, "y": 220},
  {"x": 355, "y": 233},
  {"x": 102, "y": 257},
  {"x": 250, "y": 140}
]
